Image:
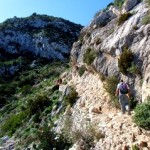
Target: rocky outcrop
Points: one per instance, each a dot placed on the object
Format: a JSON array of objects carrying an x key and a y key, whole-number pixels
[
  {"x": 109, "y": 41},
  {"x": 37, "y": 35},
  {"x": 7, "y": 143},
  {"x": 103, "y": 18}
]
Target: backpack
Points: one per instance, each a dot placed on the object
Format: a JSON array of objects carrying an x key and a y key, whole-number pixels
[{"x": 123, "y": 88}]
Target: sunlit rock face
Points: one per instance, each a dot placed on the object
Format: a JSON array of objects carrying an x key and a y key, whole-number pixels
[
  {"x": 39, "y": 35},
  {"x": 109, "y": 41}
]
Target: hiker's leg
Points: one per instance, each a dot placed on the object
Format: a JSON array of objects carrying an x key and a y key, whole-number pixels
[
  {"x": 127, "y": 106},
  {"x": 122, "y": 104}
]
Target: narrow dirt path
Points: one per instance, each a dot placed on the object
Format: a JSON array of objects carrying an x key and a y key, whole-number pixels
[{"x": 119, "y": 130}]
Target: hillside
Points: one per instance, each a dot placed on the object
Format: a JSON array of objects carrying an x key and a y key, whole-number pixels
[
  {"x": 34, "y": 51},
  {"x": 114, "y": 46},
  {"x": 50, "y": 103},
  {"x": 126, "y": 32},
  {"x": 38, "y": 35}
]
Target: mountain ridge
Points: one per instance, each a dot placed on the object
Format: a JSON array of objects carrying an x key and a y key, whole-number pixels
[{"x": 39, "y": 34}]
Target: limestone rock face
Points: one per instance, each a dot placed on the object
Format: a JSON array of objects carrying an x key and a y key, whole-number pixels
[
  {"x": 38, "y": 35},
  {"x": 109, "y": 41},
  {"x": 103, "y": 18}
]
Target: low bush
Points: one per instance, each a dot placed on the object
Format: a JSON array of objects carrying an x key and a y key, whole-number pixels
[
  {"x": 125, "y": 61},
  {"x": 142, "y": 115},
  {"x": 50, "y": 140},
  {"x": 123, "y": 18},
  {"x": 13, "y": 122},
  {"x": 134, "y": 69},
  {"x": 70, "y": 99},
  {"x": 110, "y": 86},
  {"x": 135, "y": 147},
  {"x": 26, "y": 89},
  {"x": 81, "y": 70},
  {"x": 119, "y": 3},
  {"x": 26, "y": 80},
  {"x": 38, "y": 104},
  {"x": 89, "y": 56}
]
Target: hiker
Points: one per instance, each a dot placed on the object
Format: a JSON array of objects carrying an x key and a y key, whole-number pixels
[{"x": 123, "y": 92}]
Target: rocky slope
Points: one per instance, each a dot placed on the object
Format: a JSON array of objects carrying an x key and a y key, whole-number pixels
[
  {"x": 119, "y": 131},
  {"x": 97, "y": 54},
  {"x": 109, "y": 39}
]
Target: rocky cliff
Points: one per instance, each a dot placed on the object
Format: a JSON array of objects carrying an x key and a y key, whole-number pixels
[
  {"x": 115, "y": 37},
  {"x": 108, "y": 35},
  {"x": 38, "y": 35}
]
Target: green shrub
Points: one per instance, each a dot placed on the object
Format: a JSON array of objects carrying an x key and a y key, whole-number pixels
[
  {"x": 135, "y": 27},
  {"x": 89, "y": 56},
  {"x": 146, "y": 19},
  {"x": 26, "y": 80},
  {"x": 81, "y": 70},
  {"x": 119, "y": 3},
  {"x": 135, "y": 147},
  {"x": 142, "y": 115},
  {"x": 26, "y": 89},
  {"x": 70, "y": 99},
  {"x": 123, "y": 18},
  {"x": 110, "y": 86},
  {"x": 38, "y": 104},
  {"x": 13, "y": 122},
  {"x": 50, "y": 140},
  {"x": 125, "y": 61},
  {"x": 133, "y": 69},
  {"x": 101, "y": 76}
]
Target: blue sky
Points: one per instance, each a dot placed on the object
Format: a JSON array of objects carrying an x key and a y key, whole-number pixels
[{"x": 78, "y": 11}]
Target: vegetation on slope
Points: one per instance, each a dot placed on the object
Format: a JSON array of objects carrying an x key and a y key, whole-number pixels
[
  {"x": 27, "y": 99},
  {"x": 142, "y": 115},
  {"x": 125, "y": 61}
]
